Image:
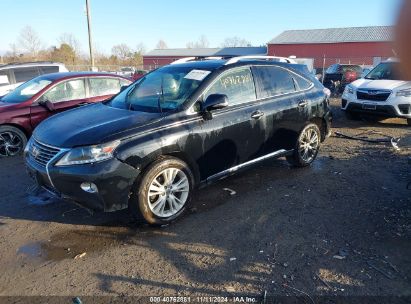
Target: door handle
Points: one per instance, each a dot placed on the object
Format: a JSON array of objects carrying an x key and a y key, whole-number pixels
[
  {"x": 302, "y": 103},
  {"x": 257, "y": 115}
]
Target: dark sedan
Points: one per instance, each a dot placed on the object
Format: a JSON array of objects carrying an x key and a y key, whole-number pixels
[{"x": 29, "y": 104}]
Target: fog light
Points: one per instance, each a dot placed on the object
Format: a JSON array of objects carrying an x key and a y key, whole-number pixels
[{"x": 89, "y": 187}]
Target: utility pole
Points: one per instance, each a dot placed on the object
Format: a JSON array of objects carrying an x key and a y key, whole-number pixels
[{"x": 90, "y": 40}]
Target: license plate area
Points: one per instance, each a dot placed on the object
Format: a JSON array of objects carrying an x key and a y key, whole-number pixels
[{"x": 369, "y": 106}]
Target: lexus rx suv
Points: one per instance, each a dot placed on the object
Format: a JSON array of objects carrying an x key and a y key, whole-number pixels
[
  {"x": 179, "y": 127},
  {"x": 380, "y": 93}
]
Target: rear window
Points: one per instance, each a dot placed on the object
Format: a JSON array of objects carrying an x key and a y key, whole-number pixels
[
  {"x": 302, "y": 83},
  {"x": 273, "y": 81},
  {"x": 25, "y": 74},
  {"x": 353, "y": 68},
  {"x": 48, "y": 69},
  {"x": 104, "y": 86}
]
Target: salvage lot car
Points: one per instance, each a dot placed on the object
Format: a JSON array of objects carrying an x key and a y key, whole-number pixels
[
  {"x": 380, "y": 93},
  {"x": 32, "y": 102},
  {"x": 14, "y": 74},
  {"x": 179, "y": 127}
]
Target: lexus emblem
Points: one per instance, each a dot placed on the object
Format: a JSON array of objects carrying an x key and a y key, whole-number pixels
[{"x": 35, "y": 152}]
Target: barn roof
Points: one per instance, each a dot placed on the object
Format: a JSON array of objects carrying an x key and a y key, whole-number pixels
[
  {"x": 199, "y": 52},
  {"x": 336, "y": 35}
]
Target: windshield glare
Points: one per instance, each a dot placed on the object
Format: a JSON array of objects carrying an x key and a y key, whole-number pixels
[
  {"x": 26, "y": 90},
  {"x": 386, "y": 70},
  {"x": 168, "y": 88}
]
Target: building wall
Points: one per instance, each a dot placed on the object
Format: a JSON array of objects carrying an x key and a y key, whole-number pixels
[
  {"x": 152, "y": 62},
  {"x": 347, "y": 52}
]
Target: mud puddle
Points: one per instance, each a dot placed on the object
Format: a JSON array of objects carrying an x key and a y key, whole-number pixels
[{"x": 72, "y": 243}]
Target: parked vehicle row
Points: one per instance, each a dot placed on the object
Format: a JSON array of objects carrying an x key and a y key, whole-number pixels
[
  {"x": 14, "y": 74},
  {"x": 179, "y": 127},
  {"x": 32, "y": 102},
  {"x": 380, "y": 93}
]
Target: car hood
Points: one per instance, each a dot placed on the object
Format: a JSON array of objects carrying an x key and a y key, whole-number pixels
[
  {"x": 378, "y": 84},
  {"x": 91, "y": 125}
]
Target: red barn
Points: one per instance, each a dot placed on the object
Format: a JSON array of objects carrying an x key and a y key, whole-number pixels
[{"x": 355, "y": 45}]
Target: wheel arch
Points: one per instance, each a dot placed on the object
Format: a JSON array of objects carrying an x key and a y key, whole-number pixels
[
  {"x": 322, "y": 125},
  {"x": 17, "y": 126}
]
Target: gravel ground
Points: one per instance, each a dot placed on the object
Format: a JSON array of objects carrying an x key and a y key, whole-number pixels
[{"x": 340, "y": 227}]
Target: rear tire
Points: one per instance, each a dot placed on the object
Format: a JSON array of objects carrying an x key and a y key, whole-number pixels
[
  {"x": 163, "y": 193},
  {"x": 307, "y": 146},
  {"x": 12, "y": 141}
]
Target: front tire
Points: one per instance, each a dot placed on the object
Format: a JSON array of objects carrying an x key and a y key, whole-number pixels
[
  {"x": 307, "y": 146},
  {"x": 12, "y": 141},
  {"x": 163, "y": 193}
]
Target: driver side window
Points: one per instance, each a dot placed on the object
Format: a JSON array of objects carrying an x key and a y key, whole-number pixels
[
  {"x": 65, "y": 91},
  {"x": 238, "y": 85}
]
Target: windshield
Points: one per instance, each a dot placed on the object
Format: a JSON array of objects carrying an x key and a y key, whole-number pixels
[
  {"x": 163, "y": 90},
  {"x": 386, "y": 70},
  {"x": 26, "y": 90}
]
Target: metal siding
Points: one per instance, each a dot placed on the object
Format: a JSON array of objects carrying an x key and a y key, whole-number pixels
[{"x": 363, "y": 52}]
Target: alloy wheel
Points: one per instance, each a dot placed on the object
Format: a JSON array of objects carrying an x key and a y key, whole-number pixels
[
  {"x": 10, "y": 144},
  {"x": 168, "y": 192},
  {"x": 308, "y": 145}
]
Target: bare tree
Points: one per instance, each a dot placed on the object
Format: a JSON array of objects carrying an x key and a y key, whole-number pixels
[
  {"x": 201, "y": 43},
  {"x": 29, "y": 41},
  {"x": 235, "y": 42},
  {"x": 122, "y": 51},
  {"x": 161, "y": 44},
  {"x": 141, "y": 48},
  {"x": 71, "y": 40}
]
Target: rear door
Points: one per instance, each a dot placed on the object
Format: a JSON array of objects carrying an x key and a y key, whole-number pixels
[
  {"x": 102, "y": 88},
  {"x": 284, "y": 105},
  {"x": 65, "y": 95}
]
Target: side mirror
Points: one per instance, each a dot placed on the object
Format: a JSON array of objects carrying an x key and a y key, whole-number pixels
[
  {"x": 215, "y": 102},
  {"x": 47, "y": 104}
]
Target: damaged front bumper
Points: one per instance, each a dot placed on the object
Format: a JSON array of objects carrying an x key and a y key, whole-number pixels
[{"x": 112, "y": 181}]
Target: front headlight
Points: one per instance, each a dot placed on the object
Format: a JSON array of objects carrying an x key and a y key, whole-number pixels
[
  {"x": 90, "y": 154},
  {"x": 404, "y": 93},
  {"x": 349, "y": 89}
]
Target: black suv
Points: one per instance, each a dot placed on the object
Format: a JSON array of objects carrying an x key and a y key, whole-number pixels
[{"x": 177, "y": 128}]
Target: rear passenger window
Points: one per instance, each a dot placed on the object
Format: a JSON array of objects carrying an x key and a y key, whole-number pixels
[
  {"x": 302, "y": 83},
  {"x": 48, "y": 69},
  {"x": 273, "y": 81},
  {"x": 238, "y": 85},
  {"x": 25, "y": 74},
  {"x": 104, "y": 86}
]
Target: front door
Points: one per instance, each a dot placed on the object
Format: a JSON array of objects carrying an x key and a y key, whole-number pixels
[
  {"x": 65, "y": 95},
  {"x": 232, "y": 136}
]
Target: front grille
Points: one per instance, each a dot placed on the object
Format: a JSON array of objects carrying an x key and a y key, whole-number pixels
[
  {"x": 42, "y": 153},
  {"x": 374, "y": 95}
]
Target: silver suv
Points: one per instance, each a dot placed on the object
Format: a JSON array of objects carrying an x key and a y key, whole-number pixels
[{"x": 14, "y": 74}]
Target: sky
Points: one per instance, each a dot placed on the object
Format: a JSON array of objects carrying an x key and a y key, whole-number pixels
[{"x": 180, "y": 21}]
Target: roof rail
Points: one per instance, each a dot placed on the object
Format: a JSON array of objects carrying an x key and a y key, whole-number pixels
[
  {"x": 30, "y": 62},
  {"x": 272, "y": 58},
  {"x": 188, "y": 59}
]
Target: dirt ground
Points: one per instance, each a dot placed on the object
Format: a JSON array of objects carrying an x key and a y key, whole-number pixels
[{"x": 340, "y": 227}]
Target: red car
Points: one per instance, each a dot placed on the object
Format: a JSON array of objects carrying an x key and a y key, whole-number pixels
[{"x": 29, "y": 104}]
